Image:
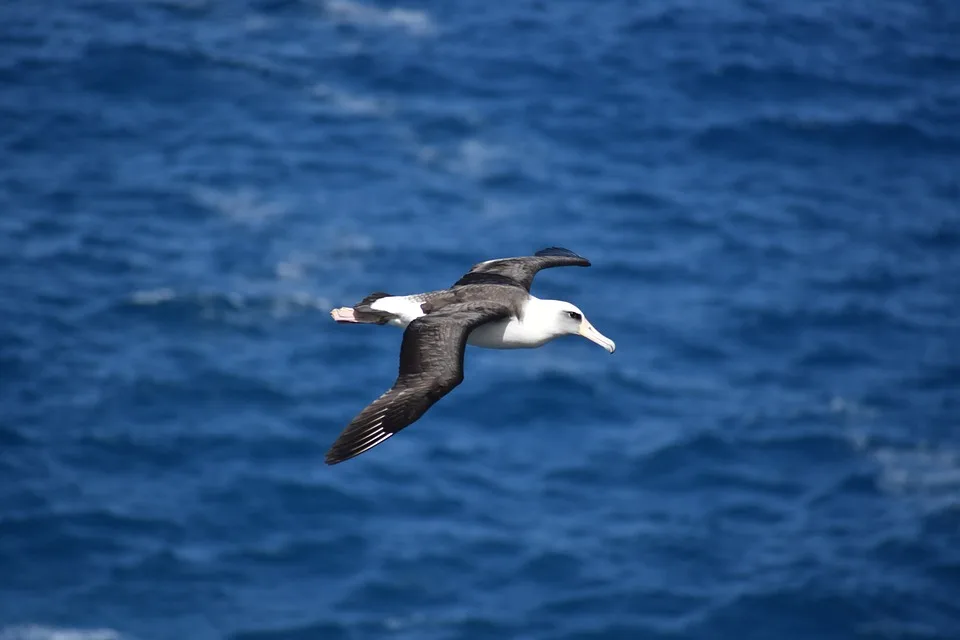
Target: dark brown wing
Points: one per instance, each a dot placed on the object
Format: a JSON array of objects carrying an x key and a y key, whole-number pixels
[
  {"x": 431, "y": 365},
  {"x": 520, "y": 271}
]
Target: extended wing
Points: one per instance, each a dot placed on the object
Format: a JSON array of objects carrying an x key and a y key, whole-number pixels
[
  {"x": 521, "y": 271},
  {"x": 431, "y": 365}
]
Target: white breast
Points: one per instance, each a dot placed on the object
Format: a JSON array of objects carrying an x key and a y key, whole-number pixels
[{"x": 507, "y": 334}]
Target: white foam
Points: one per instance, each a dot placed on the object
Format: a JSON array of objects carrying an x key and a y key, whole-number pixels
[
  {"x": 923, "y": 471},
  {"x": 477, "y": 159},
  {"x": 153, "y": 296},
  {"x": 353, "y": 243},
  {"x": 850, "y": 408},
  {"x": 286, "y": 306},
  {"x": 399, "y": 623},
  {"x": 289, "y": 270},
  {"x": 412, "y": 21},
  {"x": 352, "y": 104},
  {"x": 41, "y": 632},
  {"x": 243, "y": 205}
]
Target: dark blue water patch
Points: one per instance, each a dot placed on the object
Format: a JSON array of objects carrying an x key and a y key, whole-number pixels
[
  {"x": 135, "y": 71},
  {"x": 330, "y": 630},
  {"x": 940, "y": 376},
  {"x": 552, "y": 568},
  {"x": 821, "y": 612},
  {"x": 776, "y": 327},
  {"x": 386, "y": 596},
  {"x": 632, "y": 198},
  {"x": 12, "y": 437},
  {"x": 514, "y": 397},
  {"x": 835, "y": 356},
  {"x": 169, "y": 567},
  {"x": 921, "y": 561},
  {"x": 796, "y": 140},
  {"x": 338, "y": 556},
  {"x": 72, "y": 538},
  {"x": 153, "y": 400},
  {"x": 285, "y": 504},
  {"x": 616, "y": 631},
  {"x": 940, "y": 526},
  {"x": 756, "y": 82},
  {"x": 944, "y": 236}
]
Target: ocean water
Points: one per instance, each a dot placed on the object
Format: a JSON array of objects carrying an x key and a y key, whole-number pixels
[{"x": 770, "y": 195}]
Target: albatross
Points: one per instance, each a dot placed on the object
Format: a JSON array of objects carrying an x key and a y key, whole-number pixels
[{"x": 491, "y": 307}]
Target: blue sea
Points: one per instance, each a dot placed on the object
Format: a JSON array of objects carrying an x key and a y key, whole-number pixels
[{"x": 769, "y": 193}]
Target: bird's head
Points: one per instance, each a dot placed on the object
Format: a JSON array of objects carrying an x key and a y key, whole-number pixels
[{"x": 563, "y": 318}]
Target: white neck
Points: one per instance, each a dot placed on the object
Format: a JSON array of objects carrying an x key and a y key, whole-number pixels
[{"x": 539, "y": 319}]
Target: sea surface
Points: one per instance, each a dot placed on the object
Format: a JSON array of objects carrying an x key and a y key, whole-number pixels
[{"x": 769, "y": 193}]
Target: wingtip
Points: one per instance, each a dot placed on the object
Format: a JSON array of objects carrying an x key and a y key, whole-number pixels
[
  {"x": 561, "y": 252},
  {"x": 340, "y": 452},
  {"x": 335, "y": 456},
  {"x": 361, "y": 435}
]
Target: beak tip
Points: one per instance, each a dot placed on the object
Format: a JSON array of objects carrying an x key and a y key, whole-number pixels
[{"x": 591, "y": 334}]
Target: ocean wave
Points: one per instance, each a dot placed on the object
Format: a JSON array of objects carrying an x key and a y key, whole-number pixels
[
  {"x": 294, "y": 552},
  {"x": 310, "y": 631},
  {"x": 412, "y": 21},
  {"x": 759, "y": 322},
  {"x": 635, "y": 197},
  {"x": 887, "y": 628},
  {"x": 43, "y": 632},
  {"x": 817, "y": 599},
  {"x": 927, "y": 472},
  {"x": 153, "y": 297},
  {"x": 478, "y": 159},
  {"x": 351, "y": 104},
  {"x": 11, "y": 437},
  {"x": 766, "y": 135},
  {"x": 835, "y": 354},
  {"x": 235, "y": 307},
  {"x": 190, "y": 5},
  {"x": 77, "y": 530},
  {"x": 827, "y": 411},
  {"x": 781, "y": 79},
  {"x": 678, "y": 456},
  {"x": 493, "y": 164},
  {"x": 245, "y": 205}
]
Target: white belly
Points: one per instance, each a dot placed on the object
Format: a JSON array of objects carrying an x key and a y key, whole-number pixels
[{"x": 505, "y": 334}]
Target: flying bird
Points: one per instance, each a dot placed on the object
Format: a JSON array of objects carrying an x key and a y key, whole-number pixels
[{"x": 491, "y": 307}]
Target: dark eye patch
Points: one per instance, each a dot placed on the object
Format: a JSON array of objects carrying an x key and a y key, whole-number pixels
[{"x": 574, "y": 315}]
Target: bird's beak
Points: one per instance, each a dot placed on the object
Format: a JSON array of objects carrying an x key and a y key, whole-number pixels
[{"x": 591, "y": 334}]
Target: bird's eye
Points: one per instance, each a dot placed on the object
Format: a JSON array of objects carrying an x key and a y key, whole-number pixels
[{"x": 574, "y": 315}]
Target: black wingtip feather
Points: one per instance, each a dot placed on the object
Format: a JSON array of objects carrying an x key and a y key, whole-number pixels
[
  {"x": 557, "y": 251},
  {"x": 356, "y": 439},
  {"x": 373, "y": 297}
]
